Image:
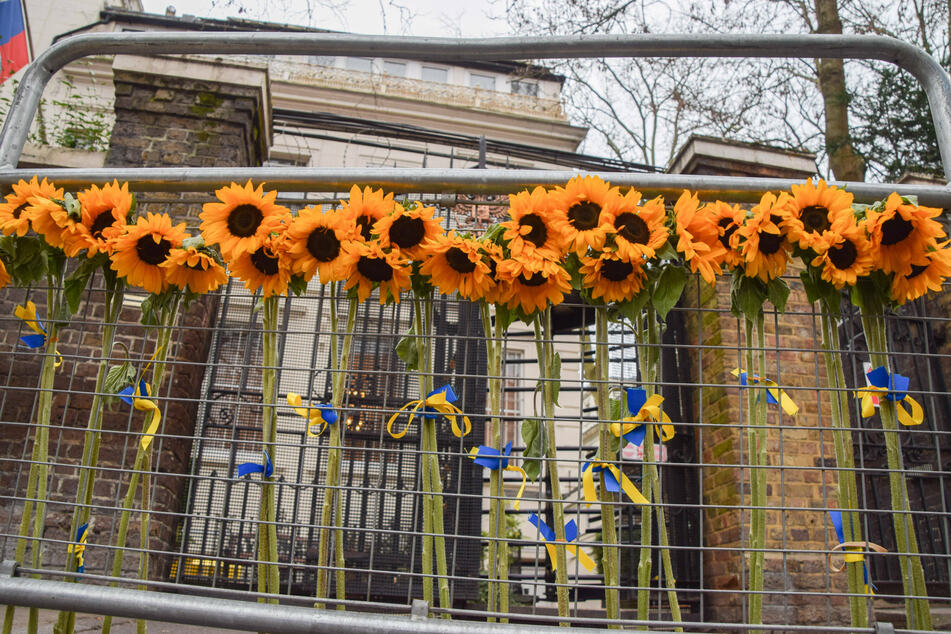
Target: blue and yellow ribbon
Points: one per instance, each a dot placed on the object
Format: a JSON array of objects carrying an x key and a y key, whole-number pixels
[
  {"x": 853, "y": 551},
  {"x": 316, "y": 415},
  {"x": 266, "y": 469},
  {"x": 79, "y": 548},
  {"x": 139, "y": 398},
  {"x": 27, "y": 313},
  {"x": 571, "y": 534},
  {"x": 644, "y": 411},
  {"x": 614, "y": 481},
  {"x": 773, "y": 392},
  {"x": 441, "y": 401},
  {"x": 893, "y": 387},
  {"x": 493, "y": 460}
]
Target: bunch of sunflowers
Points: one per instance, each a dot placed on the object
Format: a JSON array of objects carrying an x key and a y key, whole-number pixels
[{"x": 629, "y": 257}]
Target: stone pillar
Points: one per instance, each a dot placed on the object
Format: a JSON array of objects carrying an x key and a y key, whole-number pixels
[
  {"x": 797, "y": 451},
  {"x": 169, "y": 112}
]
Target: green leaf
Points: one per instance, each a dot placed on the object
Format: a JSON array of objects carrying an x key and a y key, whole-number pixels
[
  {"x": 117, "y": 378},
  {"x": 494, "y": 234},
  {"x": 532, "y": 438},
  {"x": 505, "y": 315},
  {"x": 573, "y": 266},
  {"x": 669, "y": 288},
  {"x": 554, "y": 373},
  {"x": 150, "y": 314},
  {"x": 72, "y": 207},
  {"x": 297, "y": 285},
  {"x": 193, "y": 242},
  {"x": 631, "y": 310},
  {"x": 76, "y": 283},
  {"x": 667, "y": 252},
  {"x": 747, "y": 295},
  {"x": 778, "y": 292},
  {"x": 407, "y": 351}
]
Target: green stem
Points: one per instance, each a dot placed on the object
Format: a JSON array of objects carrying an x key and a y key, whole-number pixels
[
  {"x": 845, "y": 481},
  {"x": 611, "y": 557},
  {"x": 495, "y": 385},
  {"x": 913, "y": 578},
  {"x": 496, "y": 402},
  {"x": 142, "y": 456},
  {"x": 65, "y": 623},
  {"x": 267, "y": 529},
  {"x": 756, "y": 435},
  {"x": 544, "y": 346},
  {"x": 647, "y": 360},
  {"x": 425, "y": 450}
]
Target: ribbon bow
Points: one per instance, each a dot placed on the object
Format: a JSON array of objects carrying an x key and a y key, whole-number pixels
[
  {"x": 614, "y": 481},
  {"x": 79, "y": 548},
  {"x": 571, "y": 534},
  {"x": 852, "y": 550},
  {"x": 27, "y": 313},
  {"x": 643, "y": 410},
  {"x": 773, "y": 393},
  {"x": 267, "y": 469},
  {"x": 493, "y": 459},
  {"x": 892, "y": 387},
  {"x": 440, "y": 400},
  {"x": 321, "y": 414},
  {"x": 139, "y": 399}
]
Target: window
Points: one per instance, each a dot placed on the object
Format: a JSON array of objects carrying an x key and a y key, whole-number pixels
[
  {"x": 397, "y": 69},
  {"x": 528, "y": 88},
  {"x": 361, "y": 64},
  {"x": 485, "y": 82},
  {"x": 432, "y": 73}
]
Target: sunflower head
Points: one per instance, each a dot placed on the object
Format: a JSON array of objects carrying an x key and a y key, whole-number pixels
[
  {"x": 636, "y": 227},
  {"x": 698, "y": 238},
  {"x": 408, "y": 229},
  {"x": 761, "y": 241},
  {"x": 530, "y": 230},
  {"x": 811, "y": 211},
  {"x": 104, "y": 214},
  {"x": 848, "y": 254},
  {"x": 925, "y": 274},
  {"x": 369, "y": 266},
  {"x": 197, "y": 268},
  {"x": 14, "y": 218},
  {"x": 51, "y": 219},
  {"x": 455, "y": 264},
  {"x": 492, "y": 254},
  {"x": 613, "y": 277},
  {"x": 267, "y": 267},
  {"x": 363, "y": 209},
  {"x": 242, "y": 219},
  {"x": 727, "y": 218},
  {"x": 138, "y": 253},
  {"x": 532, "y": 283},
  {"x": 578, "y": 212},
  {"x": 903, "y": 233},
  {"x": 316, "y": 242}
]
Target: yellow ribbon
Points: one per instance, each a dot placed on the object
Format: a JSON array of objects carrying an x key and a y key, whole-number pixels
[
  {"x": 650, "y": 413},
  {"x": 436, "y": 401},
  {"x": 313, "y": 415},
  {"x": 773, "y": 391},
  {"x": 79, "y": 548},
  {"x": 27, "y": 313},
  {"x": 625, "y": 484},
  {"x": 499, "y": 460},
  {"x": 915, "y": 417},
  {"x": 145, "y": 405},
  {"x": 582, "y": 556}
]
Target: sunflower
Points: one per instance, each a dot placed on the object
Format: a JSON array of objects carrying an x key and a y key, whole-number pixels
[
  {"x": 364, "y": 208},
  {"x": 408, "y": 229},
  {"x": 848, "y": 254},
  {"x": 104, "y": 212},
  {"x": 639, "y": 229},
  {"x": 530, "y": 229},
  {"x": 13, "y": 220},
  {"x": 612, "y": 276},
  {"x": 926, "y": 274},
  {"x": 903, "y": 233},
  {"x": 51, "y": 220},
  {"x": 811, "y": 211},
  {"x": 4, "y": 275},
  {"x": 727, "y": 218},
  {"x": 368, "y": 265},
  {"x": 456, "y": 264},
  {"x": 316, "y": 242},
  {"x": 242, "y": 220},
  {"x": 492, "y": 254},
  {"x": 196, "y": 268},
  {"x": 138, "y": 253},
  {"x": 268, "y": 267},
  {"x": 760, "y": 240},
  {"x": 578, "y": 212},
  {"x": 532, "y": 283},
  {"x": 698, "y": 237}
]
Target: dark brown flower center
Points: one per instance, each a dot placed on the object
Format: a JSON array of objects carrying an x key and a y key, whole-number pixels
[
  {"x": 916, "y": 270},
  {"x": 459, "y": 260},
  {"x": 616, "y": 270},
  {"x": 198, "y": 266},
  {"x": 632, "y": 228},
  {"x": 19, "y": 210},
  {"x": 365, "y": 225},
  {"x": 895, "y": 229},
  {"x": 375, "y": 269},
  {"x": 244, "y": 220},
  {"x": 406, "y": 232},
  {"x": 728, "y": 227},
  {"x": 103, "y": 220},
  {"x": 844, "y": 256},
  {"x": 584, "y": 215},
  {"x": 769, "y": 243},
  {"x": 539, "y": 232},
  {"x": 537, "y": 279},
  {"x": 815, "y": 218},
  {"x": 322, "y": 243},
  {"x": 152, "y": 252},
  {"x": 264, "y": 262}
]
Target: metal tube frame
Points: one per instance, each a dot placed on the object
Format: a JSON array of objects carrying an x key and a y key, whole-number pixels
[{"x": 923, "y": 67}]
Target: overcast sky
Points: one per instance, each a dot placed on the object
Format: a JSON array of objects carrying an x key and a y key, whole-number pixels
[{"x": 449, "y": 18}]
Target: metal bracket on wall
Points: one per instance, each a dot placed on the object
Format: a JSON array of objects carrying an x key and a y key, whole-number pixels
[{"x": 8, "y": 568}]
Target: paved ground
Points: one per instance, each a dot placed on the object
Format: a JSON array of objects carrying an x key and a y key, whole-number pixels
[{"x": 86, "y": 623}]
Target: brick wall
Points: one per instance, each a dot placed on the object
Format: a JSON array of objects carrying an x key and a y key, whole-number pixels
[{"x": 160, "y": 120}]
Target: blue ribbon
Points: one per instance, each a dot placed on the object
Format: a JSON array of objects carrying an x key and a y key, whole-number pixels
[
  {"x": 636, "y": 397},
  {"x": 451, "y": 397},
  {"x": 492, "y": 458},
  {"x": 252, "y": 467},
  {"x": 836, "y": 517},
  {"x": 896, "y": 384},
  {"x": 769, "y": 395},
  {"x": 79, "y": 547},
  {"x": 129, "y": 391},
  {"x": 548, "y": 533}
]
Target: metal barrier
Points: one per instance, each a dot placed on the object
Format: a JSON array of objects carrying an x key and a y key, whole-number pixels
[{"x": 204, "y": 516}]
